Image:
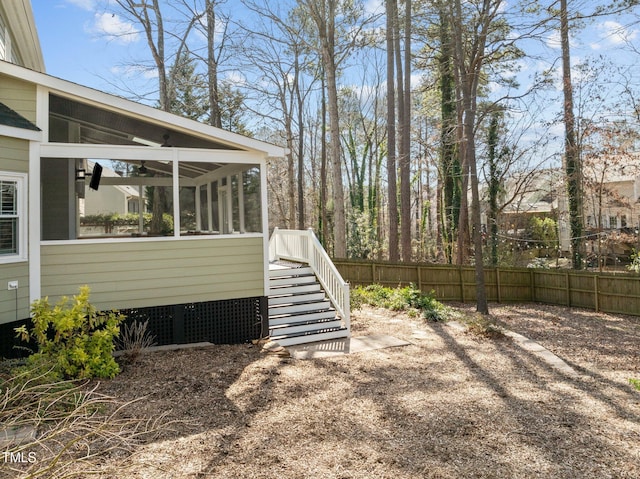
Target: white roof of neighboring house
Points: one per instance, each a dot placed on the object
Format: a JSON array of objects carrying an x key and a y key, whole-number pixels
[
  {"x": 612, "y": 169},
  {"x": 108, "y": 172}
]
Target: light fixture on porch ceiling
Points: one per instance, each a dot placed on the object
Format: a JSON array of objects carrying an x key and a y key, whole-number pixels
[{"x": 142, "y": 170}]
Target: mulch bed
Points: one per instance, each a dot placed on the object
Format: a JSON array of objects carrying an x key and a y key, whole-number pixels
[{"x": 450, "y": 405}]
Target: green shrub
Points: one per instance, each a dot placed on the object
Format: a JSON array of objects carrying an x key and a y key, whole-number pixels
[
  {"x": 635, "y": 383},
  {"x": 409, "y": 299},
  {"x": 75, "y": 338}
]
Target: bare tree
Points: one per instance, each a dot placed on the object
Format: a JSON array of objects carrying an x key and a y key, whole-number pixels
[{"x": 470, "y": 42}]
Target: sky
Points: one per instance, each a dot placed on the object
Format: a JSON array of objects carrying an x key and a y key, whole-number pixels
[
  {"x": 74, "y": 45},
  {"x": 85, "y": 44}
]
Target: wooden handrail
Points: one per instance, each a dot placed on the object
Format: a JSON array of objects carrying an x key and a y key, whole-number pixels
[{"x": 304, "y": 247}]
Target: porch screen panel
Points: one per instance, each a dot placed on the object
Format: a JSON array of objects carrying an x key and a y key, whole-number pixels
[{"x": 252, "y": 200}]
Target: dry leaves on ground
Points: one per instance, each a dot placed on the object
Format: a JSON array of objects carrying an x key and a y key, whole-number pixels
[{"x": 451, "y": 405}]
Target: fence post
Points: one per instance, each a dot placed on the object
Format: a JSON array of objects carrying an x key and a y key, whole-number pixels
[
  {"x": 419, "y": 277},
  {"x": 461, "y": 283},
  {"x": 568, "y": 289},
  {"x": 373, "y": 273},
  {"x": 595, "y": 285},
  {"x": 532, "y": 282},
  {"x": 498, "y": 283}
]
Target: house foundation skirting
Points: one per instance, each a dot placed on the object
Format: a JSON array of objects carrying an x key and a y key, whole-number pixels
[{"x": 229, "y": 321}]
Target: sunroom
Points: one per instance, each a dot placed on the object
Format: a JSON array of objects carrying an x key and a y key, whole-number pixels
[{"x": 157, "y": 214}]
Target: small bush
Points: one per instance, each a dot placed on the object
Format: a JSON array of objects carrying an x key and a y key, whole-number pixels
[
  {"x": 635, "y": 383},
  {"x": 134, "y": 339},
  {"x": 483, "y": 326},
  {"x": 409, "y": 299},
  {"x": 74, "y": 337}
]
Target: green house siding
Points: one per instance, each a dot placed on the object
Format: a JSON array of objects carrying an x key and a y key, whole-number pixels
[
  {"x": 14, "y": 157},
  {"x": 14, "y": 272},
  {"x": 136, "y": 274},
  {"x": 19, "y": 96},
  {"x": 14, "y": 154}
]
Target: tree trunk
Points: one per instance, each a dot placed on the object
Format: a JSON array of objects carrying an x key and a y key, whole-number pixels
[
  {"x": 391, "y": 136},
  {"x": 469, "y": 68},
  {"x": 404, "y": 99},
  {"x": 572, "y": 156},
  {"x": 323, "y": 169},
  {"x": 448, "y": 194},
  {"x": 212, "y": 67},
  {"x": 300, "y": 105}
]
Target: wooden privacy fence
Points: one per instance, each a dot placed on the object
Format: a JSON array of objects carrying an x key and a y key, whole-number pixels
[{"x": 612, "y": 293}]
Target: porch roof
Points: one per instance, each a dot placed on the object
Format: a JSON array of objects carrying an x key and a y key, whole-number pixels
[
  {"x": 109, "y": 119},
  {"x": 9, "y": 117}
]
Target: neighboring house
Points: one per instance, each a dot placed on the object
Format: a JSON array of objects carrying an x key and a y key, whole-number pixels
[
  {"x": 612, "y": 193},
  {"x": 212, "y": 263},
  {"x": 109, "y": 199},
  {"x": 538, "y": 193},
  {"x": 610, "y": 204}
]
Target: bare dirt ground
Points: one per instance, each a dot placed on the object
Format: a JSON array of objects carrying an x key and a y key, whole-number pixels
[{"x": 451, "y": 405}]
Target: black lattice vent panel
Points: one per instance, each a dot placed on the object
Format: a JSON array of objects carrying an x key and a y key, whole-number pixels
[
  {"x": 223, "y": 322},
  {"x": 220, "y": 322}
]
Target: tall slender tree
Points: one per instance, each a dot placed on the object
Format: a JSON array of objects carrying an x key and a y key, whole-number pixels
[
  {"x": 391, "y": 132},
  {"x": 572, "y": 154},
  {"x": 449, "y": 169},
  {"x": 404, "y": 101},
  {"x": 470, "y": 40}
]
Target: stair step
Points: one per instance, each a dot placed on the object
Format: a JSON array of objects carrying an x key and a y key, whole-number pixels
[
  {"x": 280, "y": 272},
  {"x": 299, "y": 308},
  {"x": 292, "y": 289},
  {"x": 312, "y": 336},
  {"x": 296, "y": 298},
  {"x": 292, "y": 329},
  {"x": 292, "y": 281},
  {"x": 300, "y": 317}
]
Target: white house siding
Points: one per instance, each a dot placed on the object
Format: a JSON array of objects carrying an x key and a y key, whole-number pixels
[
  {"x": 107, "y": 200},
  {"x": 134, "y": 274}
]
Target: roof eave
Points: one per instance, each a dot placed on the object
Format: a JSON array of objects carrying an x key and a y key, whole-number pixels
[{"x": 113, "y": 102}]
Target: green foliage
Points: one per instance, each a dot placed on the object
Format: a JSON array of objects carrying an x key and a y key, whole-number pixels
[
  {"x": 73, "y": 337},
  {"x": 409, "y": 299},
  {"x": 635, "y": 383},
  {"x": 544, "y": 231},
  {"x": 635, "y": 261},
  {"x": 129, "y": 219}
]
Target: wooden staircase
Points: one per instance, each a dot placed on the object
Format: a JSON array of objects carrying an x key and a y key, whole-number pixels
[{"x": 299, "y": 310}]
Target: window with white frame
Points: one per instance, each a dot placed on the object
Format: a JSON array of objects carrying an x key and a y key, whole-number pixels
[{"x": 12, "y": 220}]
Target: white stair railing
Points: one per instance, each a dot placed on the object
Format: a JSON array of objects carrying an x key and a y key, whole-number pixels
[{"x": 304, "y": 247}]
